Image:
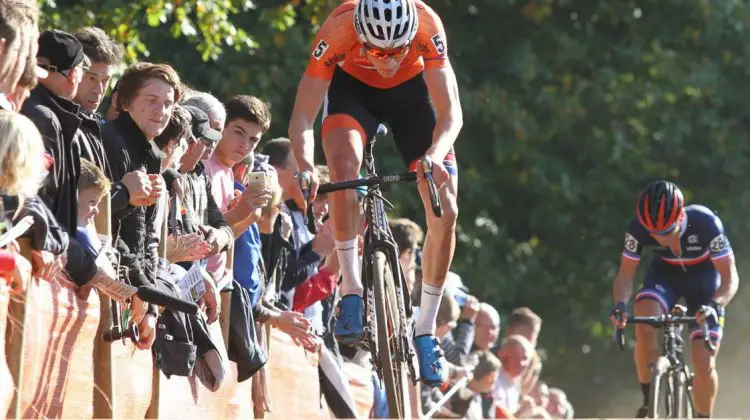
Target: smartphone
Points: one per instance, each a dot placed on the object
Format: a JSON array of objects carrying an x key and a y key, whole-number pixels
[{"x": 258, "y": 180}]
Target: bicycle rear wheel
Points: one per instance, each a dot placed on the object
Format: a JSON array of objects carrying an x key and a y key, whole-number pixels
[{"x": 389, "y": 327}]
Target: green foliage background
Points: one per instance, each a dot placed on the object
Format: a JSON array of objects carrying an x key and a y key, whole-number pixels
[{"x": 570, "y": 106}]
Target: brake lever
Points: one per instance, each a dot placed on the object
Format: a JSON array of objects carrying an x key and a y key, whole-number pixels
[
  {"x": 304, "y": 183},
  {"x": 707, "y": 337},
  {"x": 618, "y": 334},
  {"x": 620, "y": 339},
  {"x": 434, "y": 197}
]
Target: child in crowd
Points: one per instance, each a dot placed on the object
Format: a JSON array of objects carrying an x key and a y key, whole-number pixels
[{"x": 93, "y": 185}]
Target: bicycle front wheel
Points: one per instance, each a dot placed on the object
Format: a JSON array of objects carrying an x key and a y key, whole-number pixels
[
  {"x": 660, "y": 378},
  {"x": 389, "y": 329},
  {"x": 681, "y": 400}
]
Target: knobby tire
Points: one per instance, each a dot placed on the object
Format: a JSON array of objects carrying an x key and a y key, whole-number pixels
[
  {"x": 389, "y": 326},
  {"x": 659, "y": 378}
]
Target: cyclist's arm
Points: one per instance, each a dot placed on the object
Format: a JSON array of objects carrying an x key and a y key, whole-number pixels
[
  {"x": 622, "y": 289},
  {"x": 310, "y": 94},
  {"x": 722, "y": 257},
  {"x": 329, "y": 48},
  {"x": 730, "y": 280},
  {"x": 631, "y": 256},
  {"x": 443, "y": 88}
]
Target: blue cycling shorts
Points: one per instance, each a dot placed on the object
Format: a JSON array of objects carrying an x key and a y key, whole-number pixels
[{"x": 666, "y": 284}]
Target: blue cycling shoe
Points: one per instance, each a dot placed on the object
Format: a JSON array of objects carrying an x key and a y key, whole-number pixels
[
  {"x": 350, "y": 319},
  {"x": 433, "y": 368}
]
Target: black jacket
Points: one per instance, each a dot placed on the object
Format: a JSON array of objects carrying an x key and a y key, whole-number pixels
[
  {"x": 92, "y": 149},
  {"x": 302, "y": 264},
  {"x": 91, "y": 145},
  {"x": 276, "y": 255},
  {"x": 128, "y": 150},
  {"x": 45, "y": 234},
  {"x": 58, "y": 122}
]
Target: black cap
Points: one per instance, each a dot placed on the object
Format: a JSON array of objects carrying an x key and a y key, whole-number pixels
[
  {"x": 62, "y": 49},
  {"x": 201, "y": 126}
]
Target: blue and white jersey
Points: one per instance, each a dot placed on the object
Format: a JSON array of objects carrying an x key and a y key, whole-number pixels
[{"x": 702, "y": 240}]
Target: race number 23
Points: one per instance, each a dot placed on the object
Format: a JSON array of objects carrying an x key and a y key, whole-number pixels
[{"x": 631, "y": 244}]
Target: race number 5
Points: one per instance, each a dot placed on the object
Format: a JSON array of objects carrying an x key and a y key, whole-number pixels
[
  {"x": 439, "y": 44},
  {"x": 319, "y": 50}
]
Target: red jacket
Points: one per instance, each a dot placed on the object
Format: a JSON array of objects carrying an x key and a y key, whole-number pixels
[{"x": 315, "y": 289}]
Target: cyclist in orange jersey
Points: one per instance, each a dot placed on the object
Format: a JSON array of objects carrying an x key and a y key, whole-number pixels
[{"x": 372, "y": 62}]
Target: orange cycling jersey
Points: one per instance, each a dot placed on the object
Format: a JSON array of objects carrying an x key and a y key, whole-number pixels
[{"x": 337, "y": 44}]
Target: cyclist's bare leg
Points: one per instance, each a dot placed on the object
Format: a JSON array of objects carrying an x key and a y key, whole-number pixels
[
  {"x": 706, "y": 382},
  {"x": 439, "y": 247},
  {"x": 646, "y": 343},
  {"x": 343, "y": 149}
]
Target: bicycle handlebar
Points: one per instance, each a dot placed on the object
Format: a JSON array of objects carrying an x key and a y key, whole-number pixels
[
  {"x": 374, "y": 180},
  {"x": 663, "y": 321}
]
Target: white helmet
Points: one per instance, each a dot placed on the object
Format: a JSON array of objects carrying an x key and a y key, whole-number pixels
[{"x": 386, "y": 24}]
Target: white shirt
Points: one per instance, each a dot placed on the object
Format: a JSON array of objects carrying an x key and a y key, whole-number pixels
[{"x": 507, "y": 392}]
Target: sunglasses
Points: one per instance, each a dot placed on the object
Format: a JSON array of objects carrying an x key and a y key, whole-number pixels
[
  {"x": 54, "y": 69},
  {"x": 391, "y": 53}
]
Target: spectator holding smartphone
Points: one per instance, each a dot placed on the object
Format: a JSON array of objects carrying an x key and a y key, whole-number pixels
[{"x": 248, "y": 118}]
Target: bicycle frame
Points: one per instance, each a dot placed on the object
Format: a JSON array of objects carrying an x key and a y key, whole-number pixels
[
  {"x": 672, "y": 349},
  {"x": 378, "y": 236}
]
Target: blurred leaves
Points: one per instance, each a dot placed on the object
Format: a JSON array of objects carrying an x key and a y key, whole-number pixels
[{"x": 208, "y": 25}]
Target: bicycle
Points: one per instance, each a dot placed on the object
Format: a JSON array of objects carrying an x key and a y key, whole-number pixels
[
  {"x": 388, "y": 333},
  {"x": 670, "y": 368}
]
